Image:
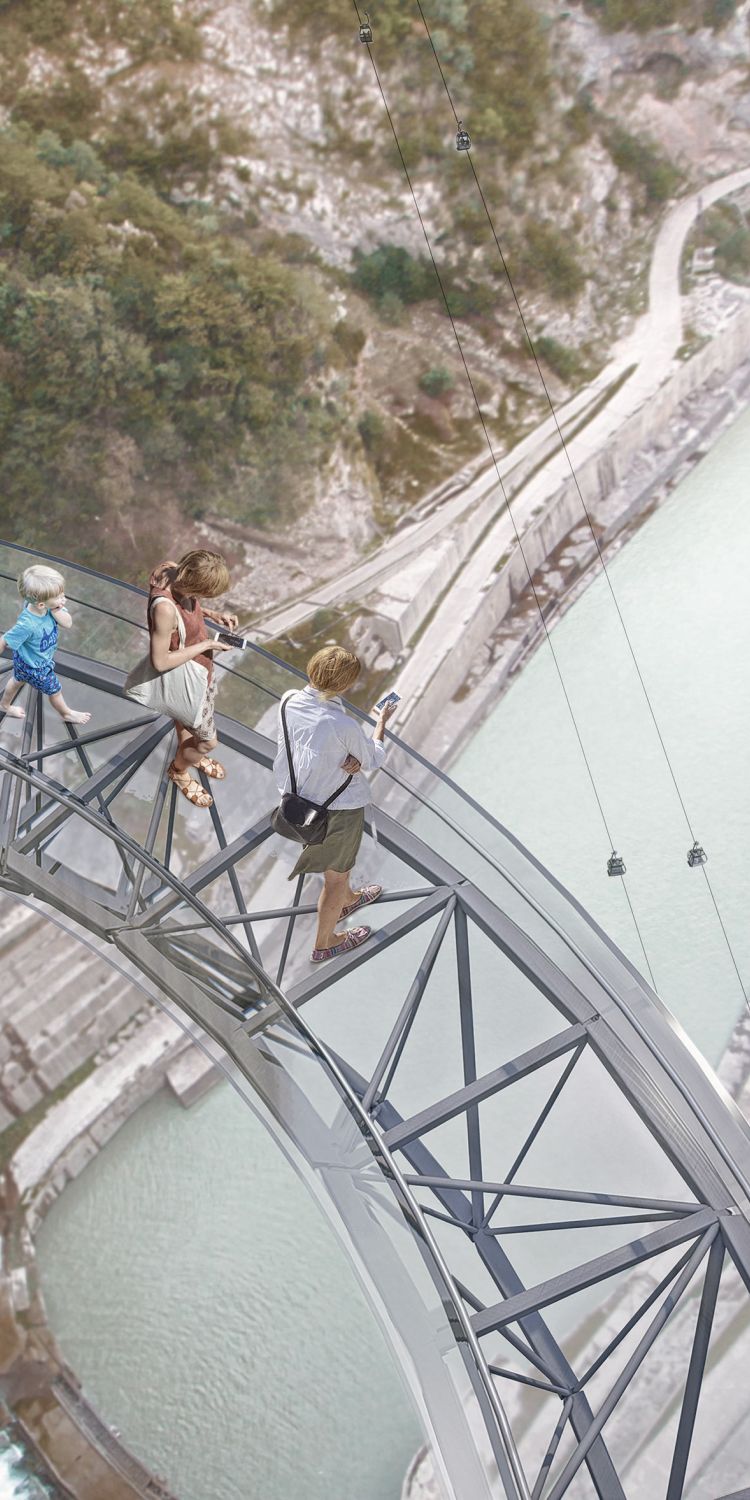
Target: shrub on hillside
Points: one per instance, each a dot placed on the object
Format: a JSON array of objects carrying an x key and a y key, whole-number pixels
[
  {"x": 641, "y": 159},
  {"x": 392, "y": 270},
  {"x": 549, "y": 258},
  {"x": 149, "y": 28},
  {"x": 733, "y": 254},
  {"x": 565, "y": 362},
  {"x": 371, "y": 429},
  {"x": 436, "y": 382}
]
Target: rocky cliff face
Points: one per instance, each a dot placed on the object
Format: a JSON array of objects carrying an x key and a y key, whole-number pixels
[
  {"x": 320, "y": 162},
  {"x": 322, "y": 166},
  {"x": 276, "y": 124}
]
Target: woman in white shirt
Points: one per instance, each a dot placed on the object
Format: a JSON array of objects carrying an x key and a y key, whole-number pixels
[{"x": 325, "y": 742}]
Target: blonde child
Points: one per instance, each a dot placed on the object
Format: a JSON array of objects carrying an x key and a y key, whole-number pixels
[{"x": 33, "y": 640}]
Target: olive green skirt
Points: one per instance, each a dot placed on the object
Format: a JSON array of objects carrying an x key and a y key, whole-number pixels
[{"x": 339, "y": 848}]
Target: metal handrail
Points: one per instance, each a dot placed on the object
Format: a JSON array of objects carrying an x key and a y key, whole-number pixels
[
  {"x": 66, "y": 562},
  {"x": 371, "y": 1134}
]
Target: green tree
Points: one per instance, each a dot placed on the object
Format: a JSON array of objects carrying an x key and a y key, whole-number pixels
[
  {"x": 436, "y": 382},
  {"x": 391, "y": 269},
  {"x": 549, "y": 259}
]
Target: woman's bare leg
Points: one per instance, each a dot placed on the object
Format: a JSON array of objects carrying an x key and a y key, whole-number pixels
[
  {"x": 349, "y": 895},
  {"x": 335, "y": 883},
  {"x": 191, "y": 750}
]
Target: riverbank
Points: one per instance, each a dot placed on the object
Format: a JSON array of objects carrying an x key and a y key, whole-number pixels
[
  {"x": 574, "y": 561},
  {"x": 492, "y": 626}
]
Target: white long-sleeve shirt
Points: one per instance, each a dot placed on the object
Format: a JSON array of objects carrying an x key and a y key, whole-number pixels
[{"x": 322, "y": 734}]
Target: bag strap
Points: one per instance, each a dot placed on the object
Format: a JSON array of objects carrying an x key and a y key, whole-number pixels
[
  {"x": 285, "y": 727},
  {"x": 337, "y": 793},
  {"x": 165, "y": 599},
  {"x": 293, "y": 779}
]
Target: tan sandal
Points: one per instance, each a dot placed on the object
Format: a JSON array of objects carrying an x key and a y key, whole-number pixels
[
  {"x": 190, "y": 788},
  {"x": 212, "y": 768}
]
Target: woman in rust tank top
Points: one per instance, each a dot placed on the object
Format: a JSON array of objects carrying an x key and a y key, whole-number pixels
[{"x": 179, "y": 587}]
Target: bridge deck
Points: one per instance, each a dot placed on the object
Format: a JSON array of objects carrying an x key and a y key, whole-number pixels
[{"x": 500, "y": 1117}]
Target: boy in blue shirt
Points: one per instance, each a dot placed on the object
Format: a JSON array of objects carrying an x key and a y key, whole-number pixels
[{"x": 33, "y": 639}]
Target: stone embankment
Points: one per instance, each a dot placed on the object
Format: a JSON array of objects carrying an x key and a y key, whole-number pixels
[
  {"x": 80, "y": 1050},
  {"x": 494, "y": 625}
]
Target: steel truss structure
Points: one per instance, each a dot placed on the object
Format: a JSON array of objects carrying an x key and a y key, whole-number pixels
[{"x": 487, "y": 1097}]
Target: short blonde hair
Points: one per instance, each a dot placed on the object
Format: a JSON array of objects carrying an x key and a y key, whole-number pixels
[
  {"x": 203, "y": 573},
  {"x": 333, "y": 669},
  {"x": 40, "y": 584}
]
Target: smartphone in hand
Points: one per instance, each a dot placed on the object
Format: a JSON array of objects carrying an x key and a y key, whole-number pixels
[
  {"x": 390, "y": 698},
  {"x": 232, "y": 639}
]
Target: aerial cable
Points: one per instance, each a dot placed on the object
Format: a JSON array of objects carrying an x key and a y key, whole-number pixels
[
  {"x": 696, "y": 855},
  {"x": 615, "y": 865}
]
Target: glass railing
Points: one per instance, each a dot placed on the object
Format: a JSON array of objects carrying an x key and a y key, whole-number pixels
[{"x": 109, "y": 627}]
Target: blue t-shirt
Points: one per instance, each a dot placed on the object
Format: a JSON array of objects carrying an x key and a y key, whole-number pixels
[{"x": 34, "y": 638}]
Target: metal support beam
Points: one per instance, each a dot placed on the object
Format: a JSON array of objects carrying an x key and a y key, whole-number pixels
[
  {"x": 697, "y": 1366},
  {"x": 548, "y": 1459},
  {"x": 394, "y": 1047},
  {"x": 633, "y": 1321},
  {"x": 671, "y": 1206},
  {"x": 541, "y": 1120},
  {"x": 135, "y": 753},
  {"x": 469, "y": 1054},
  {"x": 491, "y": 1083},
  {"x": 634, "y": 1363},
  {"x": 598, "y": 1269}
]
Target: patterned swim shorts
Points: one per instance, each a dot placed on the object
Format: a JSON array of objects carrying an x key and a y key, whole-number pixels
[{"x": 43, "y": 678}]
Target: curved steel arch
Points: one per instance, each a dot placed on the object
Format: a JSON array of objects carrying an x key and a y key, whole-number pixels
[{"x": 425, "y": 1180}]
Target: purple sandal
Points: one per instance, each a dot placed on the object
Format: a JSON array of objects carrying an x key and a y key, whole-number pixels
[
  {"x": 353, "y": 939},
  {"x": 367, "y": 895}
]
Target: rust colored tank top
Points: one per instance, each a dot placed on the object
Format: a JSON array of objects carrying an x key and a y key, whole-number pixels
[{"x": 193, "y": 621}]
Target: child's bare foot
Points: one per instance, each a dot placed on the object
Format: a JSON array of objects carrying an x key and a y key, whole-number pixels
[
  {"x": 13, "y": 713},
  {"x": 74, "y": 717}
]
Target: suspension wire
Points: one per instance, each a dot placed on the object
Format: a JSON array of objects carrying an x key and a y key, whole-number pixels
[
  {"x": 503, "y": 492},
  {"x": 566, "y": 451}
]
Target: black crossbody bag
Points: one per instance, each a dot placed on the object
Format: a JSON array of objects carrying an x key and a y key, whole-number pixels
[{"x": 297, "y": 817}]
